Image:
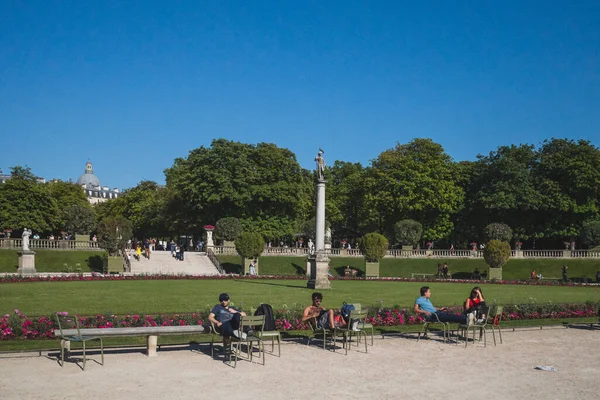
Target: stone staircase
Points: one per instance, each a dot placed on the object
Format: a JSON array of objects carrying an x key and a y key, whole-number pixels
[{"x": 161, "y": 262}]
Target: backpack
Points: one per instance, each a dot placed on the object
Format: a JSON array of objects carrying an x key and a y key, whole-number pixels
[
  {"x": 267, "y": 311},
  {"x": 346, "y": 308}
]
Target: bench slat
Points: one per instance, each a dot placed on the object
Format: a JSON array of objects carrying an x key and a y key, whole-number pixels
[{"x": 137, "y": 331}]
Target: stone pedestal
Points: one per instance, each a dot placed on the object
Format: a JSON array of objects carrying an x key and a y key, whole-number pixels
[
  {"x": 26, "y": 262},
  {"x": 317, "y": 272}
]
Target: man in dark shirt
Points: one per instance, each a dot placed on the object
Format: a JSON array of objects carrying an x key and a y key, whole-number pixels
[{"x": 226, "y": 318}]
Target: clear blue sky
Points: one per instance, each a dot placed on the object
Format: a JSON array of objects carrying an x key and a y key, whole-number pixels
[{"x": 133, "y": 85}]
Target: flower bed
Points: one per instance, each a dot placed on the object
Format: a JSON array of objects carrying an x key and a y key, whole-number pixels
[
  {"x": 17, "y": 326},
  {"x": 100, "y": 277}
]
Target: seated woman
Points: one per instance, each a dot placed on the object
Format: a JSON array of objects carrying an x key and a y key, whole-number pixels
[
  {"x": 534, "y": 275},
  {"x": 475, "y": 303}
]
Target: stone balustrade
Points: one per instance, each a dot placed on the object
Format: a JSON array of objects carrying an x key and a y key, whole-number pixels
[
  {"x": 47, "y": 244},
  {"x": 434, "y": 253}
]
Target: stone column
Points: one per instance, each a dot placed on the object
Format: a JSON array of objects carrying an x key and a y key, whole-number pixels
[
  {"x": 319, "y": 262},
  {"x": 320, "y": 231}
]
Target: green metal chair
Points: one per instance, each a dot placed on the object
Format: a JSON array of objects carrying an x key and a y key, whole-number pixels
[
  {"x": 319, "y": 333},
  {"x": 356, "y": 321},
  {"x": 495, "y": 318},
  {"x": 492, "y": 322},
  {"x": 435, "y": 320},
  {"x": 482, "y": 326},
  {"x": 252, "y": 322},
  {"x": 273, "y": 335},
  {"x": 365, "y": 325},
  {"x": 66, "y": 321}
]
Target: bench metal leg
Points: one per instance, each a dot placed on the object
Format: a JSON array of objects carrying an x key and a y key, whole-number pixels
[{"x": 151, "y": 342}]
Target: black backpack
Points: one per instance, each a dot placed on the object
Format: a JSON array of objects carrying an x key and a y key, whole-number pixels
[{"x": 267, "y": 311}]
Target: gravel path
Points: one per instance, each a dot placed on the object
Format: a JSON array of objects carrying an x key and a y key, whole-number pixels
[{"x": 396, "y": 367}]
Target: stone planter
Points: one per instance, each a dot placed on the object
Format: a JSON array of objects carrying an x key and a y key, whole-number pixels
[
  {"x": 495, "y": 274},
  {"x": 372, "y": 269},
  {"x": 246, "y": 263},
  {"x": 114, "y": 265}
]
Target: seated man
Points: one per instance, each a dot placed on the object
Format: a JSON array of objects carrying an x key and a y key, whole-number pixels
[
  {"x": 326, "y": 319},
  {"x": 347, "y": 271},
  {"x": 226, "y": 318},
  {"x": 424, "y": 307}
]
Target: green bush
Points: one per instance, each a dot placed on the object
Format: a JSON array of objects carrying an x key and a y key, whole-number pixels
[
  {"x": 590, "y": 233},
  {"x": 228, "y": 228},
  {"x": 496, "y": 253},
  {"x": 373, "y": 246},
  {"x": 249, "y": 244},
  {"x": 113, "y": 233},
  {"x": 408, "y": 231},
  {"x": 498, "y": 231}
]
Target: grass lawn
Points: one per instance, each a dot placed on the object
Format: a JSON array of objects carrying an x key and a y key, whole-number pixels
[
  {"x": 172, "y": 296},
  {"x": 54, "y": 260},
  {"x": 461, "y": 268}
]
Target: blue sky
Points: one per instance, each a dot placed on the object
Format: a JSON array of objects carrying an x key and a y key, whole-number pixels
[{"x": 133, "y": 85}]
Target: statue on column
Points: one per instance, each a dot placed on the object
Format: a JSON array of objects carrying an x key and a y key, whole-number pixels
[
  {"x": 311, "y": 247},
  {"x": 25, "y": 236},
  {"x": 320, "y": 164}
]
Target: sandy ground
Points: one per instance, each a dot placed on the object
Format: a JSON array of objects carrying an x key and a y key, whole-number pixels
[{"x": 396, "y": 367}]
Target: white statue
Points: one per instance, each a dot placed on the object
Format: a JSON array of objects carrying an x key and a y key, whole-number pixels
[
  {"x": 311, "y": 247},
  {"x": 320, "y": 164},
  {"x": 25, "y": 236}
]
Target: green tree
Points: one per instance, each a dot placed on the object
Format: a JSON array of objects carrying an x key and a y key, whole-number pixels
[
  {"x": 415, "y": 181},
  {"x": 496, "y": 253},
  {"x": 80, "y": 219},
  {"x": 569, "y": 177},
  {"x": 20, "y": 172},
  {"x": 249, "y": 244},
  {"x": 228, "y": 228},
  {"x": 498, "y": 231},
  {"x": 232, "y": 179},
  {"x": 113, "y": 233},
  {"x": 504, "y": 188},
  {"x": 345, "y": 199},
  {"x": 25, "y": 203},
  {"x": 69, "y": 196},
  {"x": 408, "y": 231},
  {"x": 373, "y": 246},
  {"x": 145, "y": 205},
  {"x": 590, "y": 233}
]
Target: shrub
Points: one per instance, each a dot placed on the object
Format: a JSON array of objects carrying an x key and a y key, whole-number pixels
[
  {"x": 228, "y": 228},
  {"x": 590, "y": 233},
  {"x": 249, "y": 244},
  {"x": 113, "y": 233},
  {"x": 408, "y": 231},
  {"x": 498, "y": 231},
  {"x": 373, "y": 246},
  {"x": 496, "y": 253}
]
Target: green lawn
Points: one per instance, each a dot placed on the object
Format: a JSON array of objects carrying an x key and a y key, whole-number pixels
[
  {"x": 460, "y": 268},
  {"x": 54, "y": 260},
  {"x": 166, "y": 296}
]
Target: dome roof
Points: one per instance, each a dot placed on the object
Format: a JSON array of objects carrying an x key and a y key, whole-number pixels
[{"x": 88, "y": 178}]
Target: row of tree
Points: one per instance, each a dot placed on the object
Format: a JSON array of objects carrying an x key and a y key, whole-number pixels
[{"x": 546, "y": 194}]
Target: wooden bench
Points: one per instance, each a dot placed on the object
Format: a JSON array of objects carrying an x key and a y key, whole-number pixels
[
  {"x": 151, "y": 333},
  {"x": 413, "y": 274}
]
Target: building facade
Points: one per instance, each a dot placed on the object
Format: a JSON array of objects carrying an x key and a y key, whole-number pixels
[{"x": 95, "y": 192}]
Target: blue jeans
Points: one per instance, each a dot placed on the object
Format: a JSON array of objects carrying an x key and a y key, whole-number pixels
[
  {"x": 447, "y": 317},
  {"x": 228, "y": 327}
]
